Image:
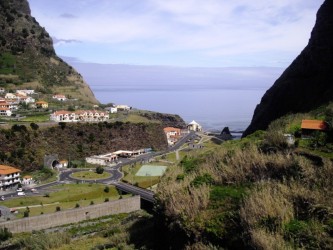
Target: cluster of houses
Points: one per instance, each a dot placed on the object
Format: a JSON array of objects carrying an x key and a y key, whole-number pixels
[
  {"x": 79, "y": 116},
  {"x": 174, "y": 134},
  {"x": 10, "y": 102},
  {"x": 110, "y": 158},
  {"x": 115, "y": 108},
  {"x": 10, "y": 176}
]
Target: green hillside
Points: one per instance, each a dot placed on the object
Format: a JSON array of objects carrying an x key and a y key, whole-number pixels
[{"x": 28, "y": 59}]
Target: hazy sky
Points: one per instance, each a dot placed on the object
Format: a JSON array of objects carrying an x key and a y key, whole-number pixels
[{"x": 204, "y": 33}]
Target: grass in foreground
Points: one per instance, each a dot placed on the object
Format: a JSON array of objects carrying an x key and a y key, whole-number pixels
[{"x": 66, "y": 196}]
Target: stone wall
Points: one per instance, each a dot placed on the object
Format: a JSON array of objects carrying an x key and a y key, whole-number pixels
[{"x": 72, "y": 216}]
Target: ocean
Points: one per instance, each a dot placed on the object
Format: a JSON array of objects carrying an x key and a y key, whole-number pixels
[
  {"x": 212, "y": 107},
  {"x": 213, "y": 97}
]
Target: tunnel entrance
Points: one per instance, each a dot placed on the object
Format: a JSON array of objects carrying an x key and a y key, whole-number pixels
[{"x": 51, "y": 161}]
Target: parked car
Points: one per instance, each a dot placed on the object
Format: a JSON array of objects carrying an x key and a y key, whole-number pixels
[
  {"x": 2, "y": 198},
  {"x": 19, "y": 190},
  {"x": 20, "y": 193}
]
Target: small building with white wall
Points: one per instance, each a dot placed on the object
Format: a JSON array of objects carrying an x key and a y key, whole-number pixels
[{"x": 194, "y": 126}]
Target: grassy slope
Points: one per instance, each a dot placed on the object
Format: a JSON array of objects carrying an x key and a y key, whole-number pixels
[
  {"x": 244, "y": 195},
  {"x": 64, "y": 196}
]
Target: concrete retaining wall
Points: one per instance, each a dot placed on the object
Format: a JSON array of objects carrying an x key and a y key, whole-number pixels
[{"x": 75, "y": 215}]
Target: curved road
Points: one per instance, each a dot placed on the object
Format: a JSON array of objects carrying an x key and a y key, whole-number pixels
[{"x": 116, "y": 175}]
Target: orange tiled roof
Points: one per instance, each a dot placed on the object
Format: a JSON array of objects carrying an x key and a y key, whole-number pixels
[
  {"x": 314, "y": 124},
  {"x": 41, "y": 102},
  {"x": 8, "y": 170},
  {"x": 62, "y": 112},
  {"x": 27, "y": 177},
  {"x": 171, "y": 129}
]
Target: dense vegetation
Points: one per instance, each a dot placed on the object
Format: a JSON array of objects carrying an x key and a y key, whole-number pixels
[
  {"x": 257, "y": 193},
  {"x": 25, "y": 146}
]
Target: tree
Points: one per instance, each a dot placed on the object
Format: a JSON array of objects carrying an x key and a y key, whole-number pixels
[
  {"x": 34, "y": 126},
  {"x": 99, "y": 170}
]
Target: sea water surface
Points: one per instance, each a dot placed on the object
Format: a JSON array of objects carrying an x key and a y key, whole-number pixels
[
  {"x": 213, "y": 107},
  {"x": 214, "y": 97}
]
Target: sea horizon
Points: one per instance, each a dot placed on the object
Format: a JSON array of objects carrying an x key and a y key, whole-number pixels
[{"x": 213, "y": 97}]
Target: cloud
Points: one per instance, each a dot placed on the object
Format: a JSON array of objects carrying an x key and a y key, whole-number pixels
[
  {"x": 67, "y": 15},
  {"x": 209, "y": 29},
  {"x": 57, "y": 41}
]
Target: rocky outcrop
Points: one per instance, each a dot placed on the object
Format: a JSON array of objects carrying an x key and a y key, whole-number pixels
[
  {"x": 307, "y": 83},
  {"x": 167, "y": 120},
  {"x": 27, "y": 56}
]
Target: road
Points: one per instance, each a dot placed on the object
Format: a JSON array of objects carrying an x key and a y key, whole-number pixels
[
  {"x": 116, "y": 175},
  {"x": 144, "y": 193}
]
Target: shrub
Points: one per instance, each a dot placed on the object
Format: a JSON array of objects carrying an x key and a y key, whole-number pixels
[
  {"x": 99, "y": 170},
  {"x": 106, "y": 189},
  {"x": 92, "y": 203},
  {"x": 34, "y": 126},
  {"x": 77, "y": 205},
  {"x": 58, "y": 209},
  {"x": 26, "y": 212},
  {"x": 62, "y": 125},
  {"x": 106, "y": 200},
  {"x": 5, "y": 234}
]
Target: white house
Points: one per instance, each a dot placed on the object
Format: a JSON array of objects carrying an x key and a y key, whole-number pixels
[
  {"x": 102, "y": 159},
  {"x": 172, "y": 134},
  {"x": 5, "y": 112},
  {"x": 9, "y": 176},
  {"x": 59, "y": 97},
  {"x": 8, "y": 104},
  {"x": 79, "y": 116},
  {"x": 25, "y": 91},
  {"x": 27, "y": 100},
  {"x": 194, "y": 126},
  {"x": 10, "y": 96},
  {"x": 112, "y": 110},
  {"x": 62, "y": 164},
  {"x": 123, "y": 107},
  {"x": 27, "y": 180},
  {"x": 20, "y": 93}
]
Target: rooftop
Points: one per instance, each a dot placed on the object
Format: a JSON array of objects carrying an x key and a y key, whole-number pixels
[
  {"x": 314, "y": 124},
  {"x": 8, "y": 170}
]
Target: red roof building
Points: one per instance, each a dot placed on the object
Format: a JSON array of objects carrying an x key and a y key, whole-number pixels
[{"x": 314, "y": 125}]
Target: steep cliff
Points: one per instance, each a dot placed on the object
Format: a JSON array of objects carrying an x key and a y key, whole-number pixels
[
  {"x": 307, "y": 83},
  {"x": 27, "y": 56}
]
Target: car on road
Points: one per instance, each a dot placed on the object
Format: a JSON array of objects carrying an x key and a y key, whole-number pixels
[
  {"x": 2, "y": 198},
  {"x": 21, "y": 193},
  {"x": 34, "y": 190},
  {"x": 19, "y": 190}
]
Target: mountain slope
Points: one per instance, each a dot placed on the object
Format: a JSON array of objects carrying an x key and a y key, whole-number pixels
[
  {"x": 307, "y": 83},
  {"x": 27, "y": 56}
]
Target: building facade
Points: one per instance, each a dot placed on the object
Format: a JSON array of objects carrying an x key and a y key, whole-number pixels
[
  {"x": 9, "y": 176},
  {"x": 79, "y": 116},
  {"x": 194, "y": 126},
  {"x": 172, "y": 134}
]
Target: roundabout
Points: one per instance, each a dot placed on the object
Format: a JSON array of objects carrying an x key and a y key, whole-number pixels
[{"x": 90, "y": 175}]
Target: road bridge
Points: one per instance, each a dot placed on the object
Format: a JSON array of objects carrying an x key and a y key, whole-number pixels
[{"x": 145, "y": 194}]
